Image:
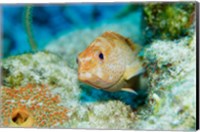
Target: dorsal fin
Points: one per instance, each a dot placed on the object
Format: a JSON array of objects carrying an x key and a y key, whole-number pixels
[
  {"x": 112, "y": 35},
  {"x": 129, "y": 42}
]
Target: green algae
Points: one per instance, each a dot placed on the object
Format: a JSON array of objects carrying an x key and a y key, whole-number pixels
[{"x": 168, "y": 20}]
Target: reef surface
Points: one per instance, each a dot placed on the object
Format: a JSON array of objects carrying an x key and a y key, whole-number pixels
[
  {"x": 168, "y": 103},
  {"x": 164, "y": 104}
]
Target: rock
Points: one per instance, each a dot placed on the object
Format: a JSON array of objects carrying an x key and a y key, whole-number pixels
[
  {"x": 42, "y": 68},
  {"x": 171, "y": 68},
  {"x": 49, "y": 69}
]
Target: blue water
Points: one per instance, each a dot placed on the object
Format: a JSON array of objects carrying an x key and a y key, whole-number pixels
[{"x": 49, "y": 21}]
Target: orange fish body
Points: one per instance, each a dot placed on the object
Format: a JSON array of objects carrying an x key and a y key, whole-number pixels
[{"x": 109, "y": 63}]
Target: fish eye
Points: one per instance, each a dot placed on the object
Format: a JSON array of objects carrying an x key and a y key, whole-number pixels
[{"x": 101, "y": 56}]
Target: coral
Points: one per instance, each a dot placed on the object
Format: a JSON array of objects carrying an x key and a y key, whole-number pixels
[
  {"x": 168, "y": 20},
  {"x": 171, "y": 68},
  {"x": 171, "y": 76},
  {"x": 48, "y": 68},
  {"x": 31, "y": 106},
  {"x": 102, "y": 115},
  {"x": 42, "y": 68}
]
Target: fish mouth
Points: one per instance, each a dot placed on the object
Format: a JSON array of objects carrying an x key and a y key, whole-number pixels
[
  {"x": 86, "y": 80},
  {"x": 107, "y": 88},
  {"x": 82, "y": 78},
  {"x": 98, "y": 83}
]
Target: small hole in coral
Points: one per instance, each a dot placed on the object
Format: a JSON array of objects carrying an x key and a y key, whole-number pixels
[
  {"x": 19, "y": 117},
  {"x": 15, "y": 118}
]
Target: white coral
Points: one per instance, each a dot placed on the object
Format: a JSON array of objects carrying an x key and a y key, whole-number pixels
[
  {"x": 105, "y": 115},
  {"x": 43, "y": 68},
  {"x": 171, "y": 66}
]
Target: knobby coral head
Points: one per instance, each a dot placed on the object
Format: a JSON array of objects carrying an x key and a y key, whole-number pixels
[{"x": 31, "y": 106}]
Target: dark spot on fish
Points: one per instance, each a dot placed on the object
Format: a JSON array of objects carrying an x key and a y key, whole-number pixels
[{"x": 101, "y": 56}]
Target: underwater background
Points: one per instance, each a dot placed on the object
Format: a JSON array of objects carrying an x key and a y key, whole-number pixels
[
  {"x": 40, "y": 87},
  {"x": 51, "y": 21}
]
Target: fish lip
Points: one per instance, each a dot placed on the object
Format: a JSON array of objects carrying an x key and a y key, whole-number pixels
[
  {"x": 86, "y": 81},
  {"x": 80, "y": 78}
]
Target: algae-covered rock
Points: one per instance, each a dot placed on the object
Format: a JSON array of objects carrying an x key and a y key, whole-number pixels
[
  {"x": 171, "y": 72},
  {"x": 102, "y": 115},
  {"x": 171, "y": 68},
  {"x": 168, "y": 20},
  {"x": 171, "y": 75},
  {"x": 41, "y": 68},
  {"x": 86, "y": 107}
]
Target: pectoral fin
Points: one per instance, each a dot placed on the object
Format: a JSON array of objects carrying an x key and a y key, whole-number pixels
[
  {"x": 133, "y": 70},
  {"x": 129, "y": 90}
]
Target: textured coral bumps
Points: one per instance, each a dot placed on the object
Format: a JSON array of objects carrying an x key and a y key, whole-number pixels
[
  {"x": 171, "y": 68},
  {"x": 171, "y": 96},
  {"x": 171, "y": 75},
  {"x": 168, "y": 20},
  {"x": 34, "y": 103},
  {"x": 42, "y": 68}
]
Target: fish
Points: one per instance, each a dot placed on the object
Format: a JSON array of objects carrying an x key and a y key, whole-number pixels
[{"x": 111, "y": 63}]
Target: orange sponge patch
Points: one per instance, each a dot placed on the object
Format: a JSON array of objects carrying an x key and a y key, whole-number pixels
[{"x": 31, "y": 106}]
